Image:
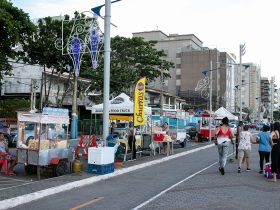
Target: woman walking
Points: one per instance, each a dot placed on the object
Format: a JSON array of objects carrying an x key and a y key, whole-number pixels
[
  {"x": 244, "y": 148},
  {"x": 275, "y": 151},
  {"x": 264, "y": 146},
  {"x": 224, "y": 136}
]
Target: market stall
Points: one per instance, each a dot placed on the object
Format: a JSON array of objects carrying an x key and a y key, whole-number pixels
[{"x": 43, "y": 140}]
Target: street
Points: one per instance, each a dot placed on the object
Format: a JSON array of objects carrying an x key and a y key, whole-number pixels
[{"x": 188, "y": 182}]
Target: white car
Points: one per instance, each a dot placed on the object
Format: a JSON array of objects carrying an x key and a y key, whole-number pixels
[{"x": 233, "y": 128}]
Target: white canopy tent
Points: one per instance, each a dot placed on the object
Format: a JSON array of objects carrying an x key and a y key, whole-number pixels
[
  {"x": 222, "y": 112},
  {"x": 122, "y": 104}
]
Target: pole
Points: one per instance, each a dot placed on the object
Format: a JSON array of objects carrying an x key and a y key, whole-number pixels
[
  {"x": 161, "y": 94},
  {"x": 106, "y": 85},
  {"x": 210, "y": 100},
  {"x": 74, "y": 116},
  {"x": 241, "y": 52},
  {"x": 272, "y": 99},
  {"x": 240, "y": 67}
]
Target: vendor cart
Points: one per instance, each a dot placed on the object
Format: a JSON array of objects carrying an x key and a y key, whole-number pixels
[
  {"x": 42, "y": 141},
  {"x": 205, "y": 130}
]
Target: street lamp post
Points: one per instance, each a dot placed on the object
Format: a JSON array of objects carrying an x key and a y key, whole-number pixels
[
  {"x": 210, "y": 99},
  {"x": 106, "y": 85},
  {"x": 241, "y": 52}
]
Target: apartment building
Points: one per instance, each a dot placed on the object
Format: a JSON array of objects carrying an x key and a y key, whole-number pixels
[{"x": 173, "y": 45}]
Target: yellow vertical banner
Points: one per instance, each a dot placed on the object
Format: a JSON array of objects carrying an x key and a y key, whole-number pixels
[{"x": 139, "y": 102}]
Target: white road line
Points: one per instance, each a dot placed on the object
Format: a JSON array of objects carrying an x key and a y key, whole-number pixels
[
  {"x": 16, "y": 201},
  {"x": 169, "y": 188}
]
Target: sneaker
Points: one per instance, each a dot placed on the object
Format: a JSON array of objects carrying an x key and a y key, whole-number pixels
[
  {"x": 248, "y": 169},
  {"x": 222, "y": 171},
  {"x": 261, "y": 172},
  {"x": 239, "y": 170}
]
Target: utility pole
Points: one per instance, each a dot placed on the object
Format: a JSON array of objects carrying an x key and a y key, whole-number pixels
[
  {"x": 106, "y": 85},
  {"x": 272, "y": 98},
  {"x": 241, "y": 52},
  {"x": 210, "y": 100},
  {"x": 161, "y": 94}
]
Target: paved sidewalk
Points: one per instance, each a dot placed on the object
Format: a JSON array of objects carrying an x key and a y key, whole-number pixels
[{"x": 22, "y": 184}]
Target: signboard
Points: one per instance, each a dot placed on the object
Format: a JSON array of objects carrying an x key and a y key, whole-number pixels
[{"x": 139, "y": 102}]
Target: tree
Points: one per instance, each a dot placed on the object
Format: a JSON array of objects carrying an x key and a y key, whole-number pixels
[
  {"x": 15, "y": 28},
  {"x": 131, "y": 59},
  {"x": 40, "y": 49}
]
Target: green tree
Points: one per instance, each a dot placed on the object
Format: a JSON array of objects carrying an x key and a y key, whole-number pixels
[
  {"x": 8, "y": 107},
  {"x": 15, "y": 28},
  {"x": 40, "y": 49}
]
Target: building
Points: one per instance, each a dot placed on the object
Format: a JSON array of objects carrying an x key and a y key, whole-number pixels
[
  {"x": 265, "y": 97},
  {"x": 172, "y": 45},
  {"x": 251, "y": 90}
]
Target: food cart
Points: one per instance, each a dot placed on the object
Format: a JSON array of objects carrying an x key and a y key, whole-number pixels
[
  {"x": 205, "y": 129},
  {"x": 43, "y": 141}
]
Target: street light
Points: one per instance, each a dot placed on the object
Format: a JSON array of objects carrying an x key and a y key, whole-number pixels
[{"x": 242, "y": 50}]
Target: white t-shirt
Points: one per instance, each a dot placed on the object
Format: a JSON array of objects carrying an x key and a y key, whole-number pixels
[{"x": 245, "y": 140}]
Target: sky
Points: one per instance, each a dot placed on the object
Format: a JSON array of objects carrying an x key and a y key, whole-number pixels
[{"x": 221, "y": 24}]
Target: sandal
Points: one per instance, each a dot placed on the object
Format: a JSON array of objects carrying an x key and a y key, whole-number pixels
[{"x": 12, "y": 173}]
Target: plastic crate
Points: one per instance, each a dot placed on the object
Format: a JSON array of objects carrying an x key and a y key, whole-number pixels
[{"x": 101, "y": 169}]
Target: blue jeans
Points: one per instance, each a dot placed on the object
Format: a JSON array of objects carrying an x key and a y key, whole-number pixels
[{"x": 223, "y": 149}]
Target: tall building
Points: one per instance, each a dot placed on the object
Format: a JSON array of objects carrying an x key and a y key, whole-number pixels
[
  {"x": 251, "y": 89},
  {"x": 172, "y": 45},
  {"x": 191, "y": 59}
]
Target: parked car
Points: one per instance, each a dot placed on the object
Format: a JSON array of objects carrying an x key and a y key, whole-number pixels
[
  {"x": 191, "y": 129},
  {"x": 4, "y": 128}
]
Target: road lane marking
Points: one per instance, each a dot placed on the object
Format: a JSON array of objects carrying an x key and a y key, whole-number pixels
[
  {"x": 87, "y": 203},
  {"x": 169, "y": 188},
  {"x": 22, "y": 199}
]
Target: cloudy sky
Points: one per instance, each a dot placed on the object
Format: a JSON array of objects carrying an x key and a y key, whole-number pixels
[{"x": 222, "y": 24}]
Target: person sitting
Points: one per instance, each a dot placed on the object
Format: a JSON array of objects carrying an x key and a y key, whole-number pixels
[{"x": 5, "y": 154}]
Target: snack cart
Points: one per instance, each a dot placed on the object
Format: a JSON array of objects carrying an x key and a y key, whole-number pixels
[
  {"x": 43, "y": 141},
  {"x": 205, "y": 130}
]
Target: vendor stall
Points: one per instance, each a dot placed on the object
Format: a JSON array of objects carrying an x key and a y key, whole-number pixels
[
  {"x": 207, "y": 131},
  {"x": 43, "y": 141}
]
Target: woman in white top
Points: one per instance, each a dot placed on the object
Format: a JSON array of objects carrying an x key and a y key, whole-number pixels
[{"x": 244, "y": 148}]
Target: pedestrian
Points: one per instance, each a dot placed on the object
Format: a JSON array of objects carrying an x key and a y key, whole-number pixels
[
  {"x": 132, "y": 140},
  {"x": 5, "y": 153},
  {"x": 166, "y": 129},
  {"x": 112, "y": 128},
  {"x": 275, "y": 150},
  {"x": 224, "y": 136},
  {"x": 244, "y": 148},
  {"x": 264, "y": 145},
  {"x": 238, "y": 131}
]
